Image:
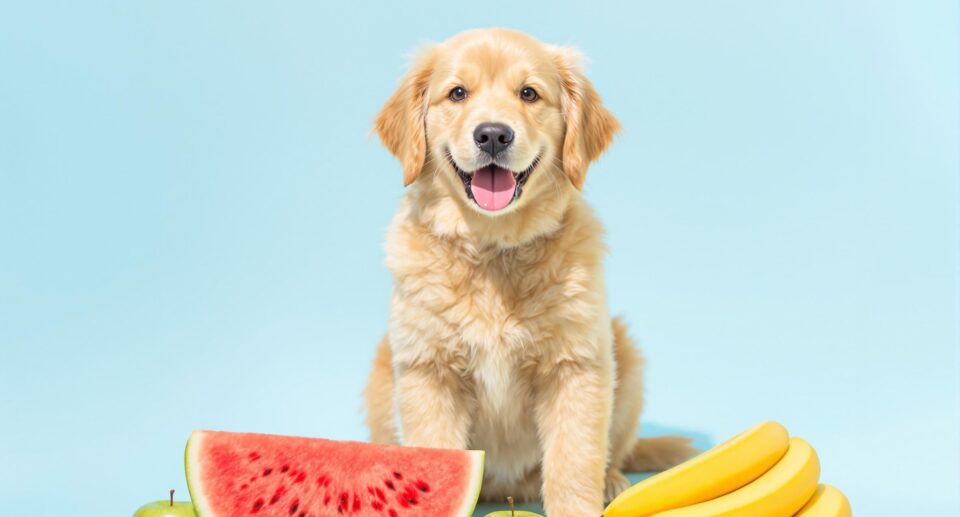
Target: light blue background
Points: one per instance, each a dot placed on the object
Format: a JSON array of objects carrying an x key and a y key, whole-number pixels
[{"x": 192, "y": 212}]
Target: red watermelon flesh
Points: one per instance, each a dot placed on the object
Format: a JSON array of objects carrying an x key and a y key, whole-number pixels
[{"x": 242, "y": 474}]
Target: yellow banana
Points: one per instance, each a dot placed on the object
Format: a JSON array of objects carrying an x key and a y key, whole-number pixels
[
  {"x": 720, "y": 470},
  {"x": 827, "y": 501},
  {"x": 781, "y": 492}
]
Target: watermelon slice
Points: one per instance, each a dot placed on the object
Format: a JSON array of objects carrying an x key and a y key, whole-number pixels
[{"x": 234, "y": 474}]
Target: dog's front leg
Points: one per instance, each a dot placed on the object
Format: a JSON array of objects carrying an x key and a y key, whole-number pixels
[
  {"x": 434, "y": 407},
  {"x": 574, "y": 402}
]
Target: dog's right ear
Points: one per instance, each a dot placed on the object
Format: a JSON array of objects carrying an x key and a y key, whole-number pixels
[{"x": 401, "y": 122}]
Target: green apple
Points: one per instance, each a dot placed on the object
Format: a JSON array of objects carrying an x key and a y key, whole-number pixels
[
  {"x": 167, "y": 508},
  {"x": 512, "y": 513}
]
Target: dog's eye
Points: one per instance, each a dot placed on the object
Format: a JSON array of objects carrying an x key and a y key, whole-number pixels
[
  {"x": 528, "y": 94},
  {"x": 457, "y": 94}
]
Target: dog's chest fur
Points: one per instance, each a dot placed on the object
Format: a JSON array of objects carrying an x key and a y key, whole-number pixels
[
  {"x": 491, "y": 307},
  {"x": 498, "y": 313},
  {"x": 500, "y": 318}
]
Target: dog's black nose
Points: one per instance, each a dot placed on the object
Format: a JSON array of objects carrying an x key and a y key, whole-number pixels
[{"x": 493, "y": 137}]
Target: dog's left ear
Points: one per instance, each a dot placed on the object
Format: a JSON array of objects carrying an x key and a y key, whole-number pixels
[
  {"x": 589, "y": 126},
  {"x": 401, "y": 122}
]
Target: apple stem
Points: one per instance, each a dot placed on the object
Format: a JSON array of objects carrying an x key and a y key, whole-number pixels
[
  {"x": 171, "y": 497},
  {"x": 510, "y": 502}
]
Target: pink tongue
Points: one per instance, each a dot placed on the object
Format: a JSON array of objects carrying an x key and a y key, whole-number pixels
[{"x": 493, "y": 187}]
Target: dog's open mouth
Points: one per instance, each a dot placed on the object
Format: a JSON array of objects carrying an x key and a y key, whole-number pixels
[{"x": 493, "y": 187}]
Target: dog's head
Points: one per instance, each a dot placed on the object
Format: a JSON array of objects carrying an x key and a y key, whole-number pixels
[{"x": 499, "y": 116}]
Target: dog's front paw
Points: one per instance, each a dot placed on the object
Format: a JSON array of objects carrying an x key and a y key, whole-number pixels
[
  {"x": 614, "y": 483},
  {"x": 574, "y": 503}
]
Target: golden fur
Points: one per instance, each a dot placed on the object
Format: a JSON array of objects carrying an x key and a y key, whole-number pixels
[{"x": 500, "y": 337}]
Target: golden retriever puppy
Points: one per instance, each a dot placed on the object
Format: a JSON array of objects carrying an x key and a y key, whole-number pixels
[{"x": 500, "y": 337}]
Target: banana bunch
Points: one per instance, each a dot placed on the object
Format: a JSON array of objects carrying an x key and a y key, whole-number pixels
[{"x": 761, "y": 472}]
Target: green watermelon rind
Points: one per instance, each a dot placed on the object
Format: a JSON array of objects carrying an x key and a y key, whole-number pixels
[
  {"x": 201, "y": 506},
  {"x": 473, "y": 487}
]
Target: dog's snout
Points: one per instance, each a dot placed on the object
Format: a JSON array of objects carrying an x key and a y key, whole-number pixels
[{"x": 493, "y": 137}]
